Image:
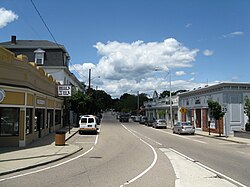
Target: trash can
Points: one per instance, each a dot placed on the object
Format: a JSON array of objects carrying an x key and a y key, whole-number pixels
[{"x": 60, "y": 138}]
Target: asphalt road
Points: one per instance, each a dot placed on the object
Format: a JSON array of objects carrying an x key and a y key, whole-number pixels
[
  {"x": 228, "y": 158},
  {"x": 130, "y": 154}
]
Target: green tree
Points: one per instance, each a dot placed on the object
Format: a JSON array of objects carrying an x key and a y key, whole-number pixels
[
  {"x": 247, "y": 112},
  {"x": 215, "y": 111},
  {"x": 78, "y": 102}
]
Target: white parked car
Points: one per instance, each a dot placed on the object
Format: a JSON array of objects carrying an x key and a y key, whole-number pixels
[
  {"x": 88, "y": 123},
  {"x": 183, "y": 128}
]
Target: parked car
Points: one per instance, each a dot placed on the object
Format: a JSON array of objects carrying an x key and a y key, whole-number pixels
[
  {"x": 183, "y": 128},
  {"x": 124, "y": 117},
  {"x": 150, "y": 121},
  {"x": 143, "y": 120},
  {"x": 160, "y": 123},
  {"x": 137, "y": 118},
  {"x": 88, "y": 123}
]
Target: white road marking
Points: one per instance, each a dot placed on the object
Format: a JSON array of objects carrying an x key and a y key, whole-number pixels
[
  {"x": 54, "y": 166},
  {"x": 150, "y": 167},
  {"x": 146, "y": 137}
]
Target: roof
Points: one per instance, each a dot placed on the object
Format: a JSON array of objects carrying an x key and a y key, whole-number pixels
[
  {"x": 215, "y": 86},
  {"x": 27, "y": 44}
]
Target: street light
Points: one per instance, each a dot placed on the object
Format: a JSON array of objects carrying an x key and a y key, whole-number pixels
[
  {"x": 170, "y": 96},
  {"x": 138, "y": 103}
]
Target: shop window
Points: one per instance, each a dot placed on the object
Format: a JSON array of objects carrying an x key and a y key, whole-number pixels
[
  {"x": 49, "y": 118},
  {"x": 39, "y": 120},
  {"x": 9, "y": 124},
  {"x": 58, "y": 117},
  {"x": 28, "y": 120}
]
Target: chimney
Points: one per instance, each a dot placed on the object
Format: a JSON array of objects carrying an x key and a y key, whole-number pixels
[{"x": 13, "y": 39}]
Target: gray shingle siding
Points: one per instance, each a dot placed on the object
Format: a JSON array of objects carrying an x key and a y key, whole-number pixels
[
  {"x": 54, "y": 53},
  {"x": 52, "y": 57}
]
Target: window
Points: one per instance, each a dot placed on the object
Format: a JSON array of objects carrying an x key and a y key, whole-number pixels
[
  {"x": 9, "y": 123},
  {"x": 91, "y": 120},
  {"x": 58, "y": 117},
  {"x": 39, "y": 119},
  {"x": 49, "y": 118},
  {"x": 39, "y": 56},
  {"x": 28, "y": 121}
]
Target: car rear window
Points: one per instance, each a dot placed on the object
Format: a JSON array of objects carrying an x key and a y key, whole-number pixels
[
  {"x": 84, "y": 120},
  {"x": 91, "y": 120},
  {"x": 187, "y": 124}
]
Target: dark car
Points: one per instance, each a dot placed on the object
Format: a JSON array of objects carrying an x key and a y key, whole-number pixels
[
  {"x": 124, "y": 117},
  {"x": 150, "y": 121}
]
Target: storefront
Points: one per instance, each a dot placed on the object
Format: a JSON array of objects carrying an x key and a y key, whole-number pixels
[
  {"x": 29, "y": 106},
  {"x": 194, "y": 107}
]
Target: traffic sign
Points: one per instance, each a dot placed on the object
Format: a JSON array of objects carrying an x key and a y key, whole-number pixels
[{"x": 64, "y": 90}]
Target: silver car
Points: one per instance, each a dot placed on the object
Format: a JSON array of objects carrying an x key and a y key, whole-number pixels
[
  {"x": 160, "y": 123},
  {"x": 183, "y": 128}
]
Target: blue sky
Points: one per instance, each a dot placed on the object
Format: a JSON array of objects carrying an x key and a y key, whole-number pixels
[{"x": 123, "y": 41}]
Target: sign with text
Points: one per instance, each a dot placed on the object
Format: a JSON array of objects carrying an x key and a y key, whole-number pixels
[{"x": 64, "y": 90}]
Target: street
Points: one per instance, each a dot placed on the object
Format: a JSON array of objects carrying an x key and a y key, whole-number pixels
[{"x": 135, "y": 155}]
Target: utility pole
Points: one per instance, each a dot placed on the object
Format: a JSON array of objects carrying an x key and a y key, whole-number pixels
[{"x": 89, "y": 78}]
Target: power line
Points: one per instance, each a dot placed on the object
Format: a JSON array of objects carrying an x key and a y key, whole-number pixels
[
  {"x": 51, "y": 33},
  {"x": 44, "y": 22}
]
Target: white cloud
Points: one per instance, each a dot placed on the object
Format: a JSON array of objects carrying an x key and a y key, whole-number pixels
[
  {"x": 6, "y": 16},
  {"x": 180, "y": 73},
  {"x": 130, "y": 66},
  {"x": 188, "y": 25},
  {"x": 134, "y": 60},
  {"x": 233, "y": 34},
  {"x": 208, "y": 52}
]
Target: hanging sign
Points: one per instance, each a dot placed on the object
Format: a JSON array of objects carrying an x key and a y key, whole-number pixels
[{"x": 64, "y": 90}]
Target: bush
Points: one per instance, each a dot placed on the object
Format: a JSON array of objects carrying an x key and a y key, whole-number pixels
[{"x": 247, "y": 126}]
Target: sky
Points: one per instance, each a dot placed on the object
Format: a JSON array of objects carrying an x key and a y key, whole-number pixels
[{"x": 190, "y": 43}]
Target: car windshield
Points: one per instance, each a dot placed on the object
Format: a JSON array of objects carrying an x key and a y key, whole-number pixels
[{"x": 187, "y": 124}]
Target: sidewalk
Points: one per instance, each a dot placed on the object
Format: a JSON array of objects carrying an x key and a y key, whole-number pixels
[
  {"x": 229, "y": 138},
  {"x": 40, "y": 152}
]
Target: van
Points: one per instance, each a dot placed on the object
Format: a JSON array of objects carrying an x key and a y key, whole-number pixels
[{"x": 88, "y": 123}]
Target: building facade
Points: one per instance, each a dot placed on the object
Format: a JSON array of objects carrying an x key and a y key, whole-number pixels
[
  {"x": 29, "y": 106},
  {"x": 159, "y": 108},
  {"x": 193, "y": 106}
]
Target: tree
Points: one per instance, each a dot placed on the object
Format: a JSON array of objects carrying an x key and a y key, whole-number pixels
[
  {"x": 78, "y": 102},
  {"x": 247, "y": 112},
  {"x": 215, "y": 111}
]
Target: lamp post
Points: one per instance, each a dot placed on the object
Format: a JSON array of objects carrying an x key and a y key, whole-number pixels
[
  {"x": 170, "y": 96},
  {"x": 138, "y": 102}
]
